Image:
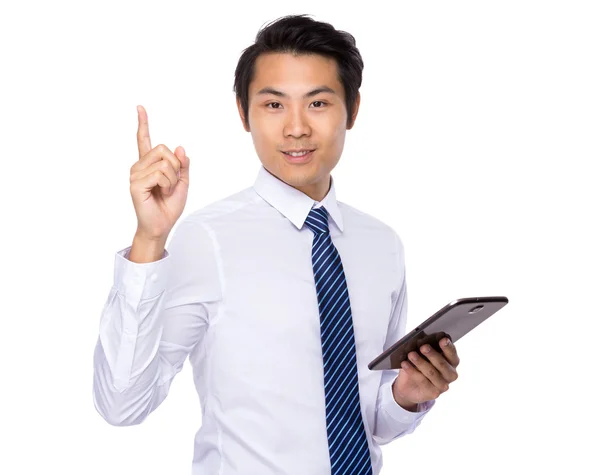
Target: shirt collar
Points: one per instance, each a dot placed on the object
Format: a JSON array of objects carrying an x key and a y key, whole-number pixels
[{"x": 292, "y": 203}]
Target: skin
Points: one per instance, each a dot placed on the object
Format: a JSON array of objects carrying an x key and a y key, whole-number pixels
[
  {"x": 296, "y": 122},
  {"x": 427, "y": 376},
  {"x": 320, "y": 122}
]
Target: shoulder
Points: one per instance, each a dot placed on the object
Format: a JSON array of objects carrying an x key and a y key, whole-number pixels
[
  {"x": 222, "y": 208},
  {"x": 363, "y": 220}
]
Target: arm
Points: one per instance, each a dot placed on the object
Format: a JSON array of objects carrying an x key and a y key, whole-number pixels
[
  {"x": 155, "y": 314},
  {"x": 392, "y": 420}
]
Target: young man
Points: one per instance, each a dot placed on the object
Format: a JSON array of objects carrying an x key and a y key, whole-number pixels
[{"x": 279, "y": 294}]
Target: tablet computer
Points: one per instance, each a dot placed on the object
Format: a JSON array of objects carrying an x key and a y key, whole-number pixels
[{"x": 454, "y": 321}]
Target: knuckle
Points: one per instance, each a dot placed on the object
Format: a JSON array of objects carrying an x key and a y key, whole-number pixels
[
  {"x": 162, "y": 148},
  {"x": 431, "y": 372},
  {"x": 165, "y": 165}
]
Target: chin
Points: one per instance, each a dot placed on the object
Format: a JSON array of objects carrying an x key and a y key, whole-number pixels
[{"x": 296, "y": 176}]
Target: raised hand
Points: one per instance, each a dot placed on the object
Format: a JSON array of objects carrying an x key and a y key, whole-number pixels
[{"x": 159, "y": 183}]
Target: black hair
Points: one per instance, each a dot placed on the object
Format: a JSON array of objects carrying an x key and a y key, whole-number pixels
[{"x": 300, "y": 35}]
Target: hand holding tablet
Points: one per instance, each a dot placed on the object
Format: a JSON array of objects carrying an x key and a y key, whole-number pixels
[{"x": 453, "y": 321}]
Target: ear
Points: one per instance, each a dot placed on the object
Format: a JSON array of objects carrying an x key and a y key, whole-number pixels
[
  {"x": 241, "y": 113},
  {"x": 355, "y": 112}
]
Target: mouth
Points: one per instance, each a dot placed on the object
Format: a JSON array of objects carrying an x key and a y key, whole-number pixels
[{"x": 301, "y": 157}]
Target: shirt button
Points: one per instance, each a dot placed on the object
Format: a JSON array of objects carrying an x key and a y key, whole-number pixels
[{"x": 153, "y": 277}]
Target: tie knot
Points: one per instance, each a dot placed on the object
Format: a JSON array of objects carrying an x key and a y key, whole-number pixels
[{"x": 317, "y": 220}]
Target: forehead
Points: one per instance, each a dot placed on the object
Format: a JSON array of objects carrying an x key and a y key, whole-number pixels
[{"x": 294, "y": 75}]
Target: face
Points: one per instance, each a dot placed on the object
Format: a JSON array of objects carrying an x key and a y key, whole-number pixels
[{"x": 285, "y": 112}]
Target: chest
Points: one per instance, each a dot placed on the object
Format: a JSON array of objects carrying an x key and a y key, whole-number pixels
[{"x": 270, "y": 291}]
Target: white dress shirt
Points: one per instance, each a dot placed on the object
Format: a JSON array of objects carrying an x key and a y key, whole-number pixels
[{"x": 235, "y": 292}]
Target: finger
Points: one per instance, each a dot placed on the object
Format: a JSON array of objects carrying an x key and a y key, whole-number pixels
[
  {"x": 429, "y": 371},
  {"x": 164, "y": 166},
  {"x": 160, "y": 152},
  {"x": 439, "y": 361},
  {"x": 450, "y": 352},
  {"x": 150, "y": 181},
  {"x": 184, "y": 169},
  {"x": 428, "y": 389},
  {"x": 143, "y": 133}
]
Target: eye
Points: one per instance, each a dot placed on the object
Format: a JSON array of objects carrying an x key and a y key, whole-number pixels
[{"x": 314, "y": 102}]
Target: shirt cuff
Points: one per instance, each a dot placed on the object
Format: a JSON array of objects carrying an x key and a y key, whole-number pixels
[{"x": 140, "y": 281}]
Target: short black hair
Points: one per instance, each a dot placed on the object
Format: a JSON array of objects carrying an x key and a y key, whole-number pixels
[{"x": 300, "y": 35}]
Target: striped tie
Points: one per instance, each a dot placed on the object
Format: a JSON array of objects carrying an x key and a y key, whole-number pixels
[{"x": 348, "y": 447}]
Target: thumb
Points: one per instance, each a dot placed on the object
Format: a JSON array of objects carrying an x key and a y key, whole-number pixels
[{"x": 184, "y": 169}]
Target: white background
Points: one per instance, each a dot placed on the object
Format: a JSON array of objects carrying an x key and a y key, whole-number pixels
[{"x": 477, "y": 140}]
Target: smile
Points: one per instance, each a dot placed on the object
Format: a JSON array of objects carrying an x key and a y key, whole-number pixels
[{"x": 298, "y": 158}]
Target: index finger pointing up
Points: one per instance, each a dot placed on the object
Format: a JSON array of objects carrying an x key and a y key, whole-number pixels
[{"x": 143, "y": 133}]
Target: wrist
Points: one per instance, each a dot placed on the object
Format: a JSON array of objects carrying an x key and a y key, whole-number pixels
[
  {"x": 145, "y": 250},
  {"x": 403, "y": 403},
  {"x": 147, "y": 238}
]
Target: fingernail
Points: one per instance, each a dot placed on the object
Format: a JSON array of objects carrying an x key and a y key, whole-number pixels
[{"x": 445, "y": 342}]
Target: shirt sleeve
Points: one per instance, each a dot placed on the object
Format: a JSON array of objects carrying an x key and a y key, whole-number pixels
[
  {"x": 392, "y": 420},
  {"x": 156, "y": 313}
]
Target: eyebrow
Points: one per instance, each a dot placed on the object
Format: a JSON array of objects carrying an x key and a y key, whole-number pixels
[{"x": 275, "y": 92}]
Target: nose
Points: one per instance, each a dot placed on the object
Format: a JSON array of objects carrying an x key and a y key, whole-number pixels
[{"x": 296, "y": 123}]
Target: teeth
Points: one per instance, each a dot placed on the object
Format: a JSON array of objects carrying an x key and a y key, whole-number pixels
[{"x": 298, "y": 154}]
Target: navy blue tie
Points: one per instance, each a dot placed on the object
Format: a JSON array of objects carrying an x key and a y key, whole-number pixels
[{"x": 348, "y": 447}]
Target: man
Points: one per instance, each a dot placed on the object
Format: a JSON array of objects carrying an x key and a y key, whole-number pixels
[{"x": 279, "y": 294}]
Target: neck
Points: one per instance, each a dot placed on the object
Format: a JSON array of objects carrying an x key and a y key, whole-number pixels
[{"x": 317, "y": 191}]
